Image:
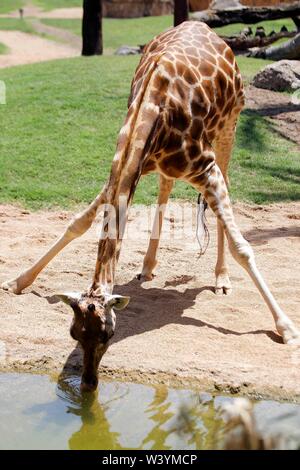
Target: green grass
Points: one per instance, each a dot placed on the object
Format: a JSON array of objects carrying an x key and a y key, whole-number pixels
[
  {"x": 59, "y": 131},
  {"x": 7, "y": 6},
  {"x": 265, "y": 166},
  {"x": 52, "y": 4},
  {"x": 16, "y": 24},
  {"x": 3, "y": 49},
  {"x": 116, "y": 32}
]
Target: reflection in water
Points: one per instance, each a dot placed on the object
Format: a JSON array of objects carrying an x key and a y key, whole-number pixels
[
  {"x": 94, "y": 432},
  {"x": 37, "y": 413},
  {"x": 130, "y": 416}
]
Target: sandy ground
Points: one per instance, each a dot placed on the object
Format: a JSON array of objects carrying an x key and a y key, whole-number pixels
[
  {"x": 175, "y": 330},
  {"x": 26, "y": 48}
]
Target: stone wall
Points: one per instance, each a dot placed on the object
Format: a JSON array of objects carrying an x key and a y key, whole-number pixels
[{"x": 136, "y": 8}]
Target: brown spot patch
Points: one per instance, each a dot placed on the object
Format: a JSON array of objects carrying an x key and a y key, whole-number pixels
[
  {"x": 170, "y": 69},
  {"x": 180, "y": 68},
  {"x": 194, "y": 61},
  {"x": 229, "y": 91},
  {"x": 194, "y": 150},
  {"x": 191, "y": 51},
  {"x": 190, "y": 77},
  {"x": 206, "y": 69},
  {"x": 153, "y": 46},
  {"x": 174, "y": 165},
  {"x": 225, "y": 67},
  {"x": 214, "y": 121},
  {"x": 161, "y": 83},
  {"x": 211, "y": 135},
  {"x": 209, "y": 90},
  {"x": 180, "y": 90},
  {"x": 199, "y": 165},
  {"x": 178, "y": 119},
  {"x": 228, "y": 108},
  {"x": 174, "y": 143},
  {"x": 196, "y": 129},
  {"x": 229, "y": 55},
  {"x": 148, "y": 167}
]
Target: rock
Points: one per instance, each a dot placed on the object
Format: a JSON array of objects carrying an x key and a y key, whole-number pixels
[
  {"x": 223, "y": 4},
  {"x": 283, "y": 75},
  {"x": 128, "y": 50}
]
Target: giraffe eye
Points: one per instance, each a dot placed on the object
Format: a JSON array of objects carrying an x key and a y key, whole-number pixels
[{"x": 91, "y": 307}]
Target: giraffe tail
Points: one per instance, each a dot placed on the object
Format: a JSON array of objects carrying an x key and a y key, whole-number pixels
[{"x": 202, "y": 231}]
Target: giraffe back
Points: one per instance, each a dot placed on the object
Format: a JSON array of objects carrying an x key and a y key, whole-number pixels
[{"x": 198, "y": 87}]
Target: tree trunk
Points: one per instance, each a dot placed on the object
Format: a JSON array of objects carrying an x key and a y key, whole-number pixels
[
  {"x": 248, "y": 15},
  {"x": 92, "y": 28},
  {"x": 181, "y": 11},
  {"x": 288, "y": 50}
]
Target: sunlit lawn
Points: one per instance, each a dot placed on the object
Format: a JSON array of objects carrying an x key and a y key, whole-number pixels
[{"x": 59, "y": 130}]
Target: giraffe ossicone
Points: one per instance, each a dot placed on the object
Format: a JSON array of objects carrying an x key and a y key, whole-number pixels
[{"x": 186, "y": 96}]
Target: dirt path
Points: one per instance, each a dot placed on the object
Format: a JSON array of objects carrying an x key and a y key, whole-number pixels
[
  {"x": 58, "y": 33},
  {"x": 26, "y": 48},
  {"x": 175, "y": 330},
  {"x": 32, "y": 11}
]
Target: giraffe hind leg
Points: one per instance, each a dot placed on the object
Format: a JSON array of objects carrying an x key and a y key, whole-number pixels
[
  {"x": 213, "y": 186},
  {"x": 223, "y": 147},
  {"x": 150, "y": 260}
]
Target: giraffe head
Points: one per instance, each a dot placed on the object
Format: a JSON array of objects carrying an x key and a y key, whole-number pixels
[{"x": 92, "y": 326}]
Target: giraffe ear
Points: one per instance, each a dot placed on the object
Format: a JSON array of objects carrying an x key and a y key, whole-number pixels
[
  {"x": 69, "y": 298},
  {"x": 118, "y": 301}
]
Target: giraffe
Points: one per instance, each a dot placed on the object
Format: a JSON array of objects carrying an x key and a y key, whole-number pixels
[{"x": 186, "y": 96}]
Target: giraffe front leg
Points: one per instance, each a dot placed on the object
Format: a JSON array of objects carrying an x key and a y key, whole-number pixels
[
  {"x": 213, "y": 186},
  {"x": 223, "y": 284},
  {"x": 150, "y": 260},
  {"x": 77, "y": 227}
]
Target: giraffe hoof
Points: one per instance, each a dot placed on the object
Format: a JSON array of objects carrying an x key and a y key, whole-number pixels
[
  {"x": 223, "y": 290},
  {"x": 289, "y": 333},
  {"x": 223, "y": 284},
  {"x": 11, "y": 286},
  {"x": 145, "y": 277},
  {"x": 292, "y": 338}
]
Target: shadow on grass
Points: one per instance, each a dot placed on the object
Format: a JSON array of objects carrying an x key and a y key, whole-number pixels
[
  {"x": 253, "y": 125},
  {"x": 255, "y": 135},
  {"x": 264, "y": 197},
  {"x": 251, "y": 133}
]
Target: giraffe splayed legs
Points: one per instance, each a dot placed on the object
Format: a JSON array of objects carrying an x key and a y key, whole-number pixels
[{"x": 185, "y": 99}]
